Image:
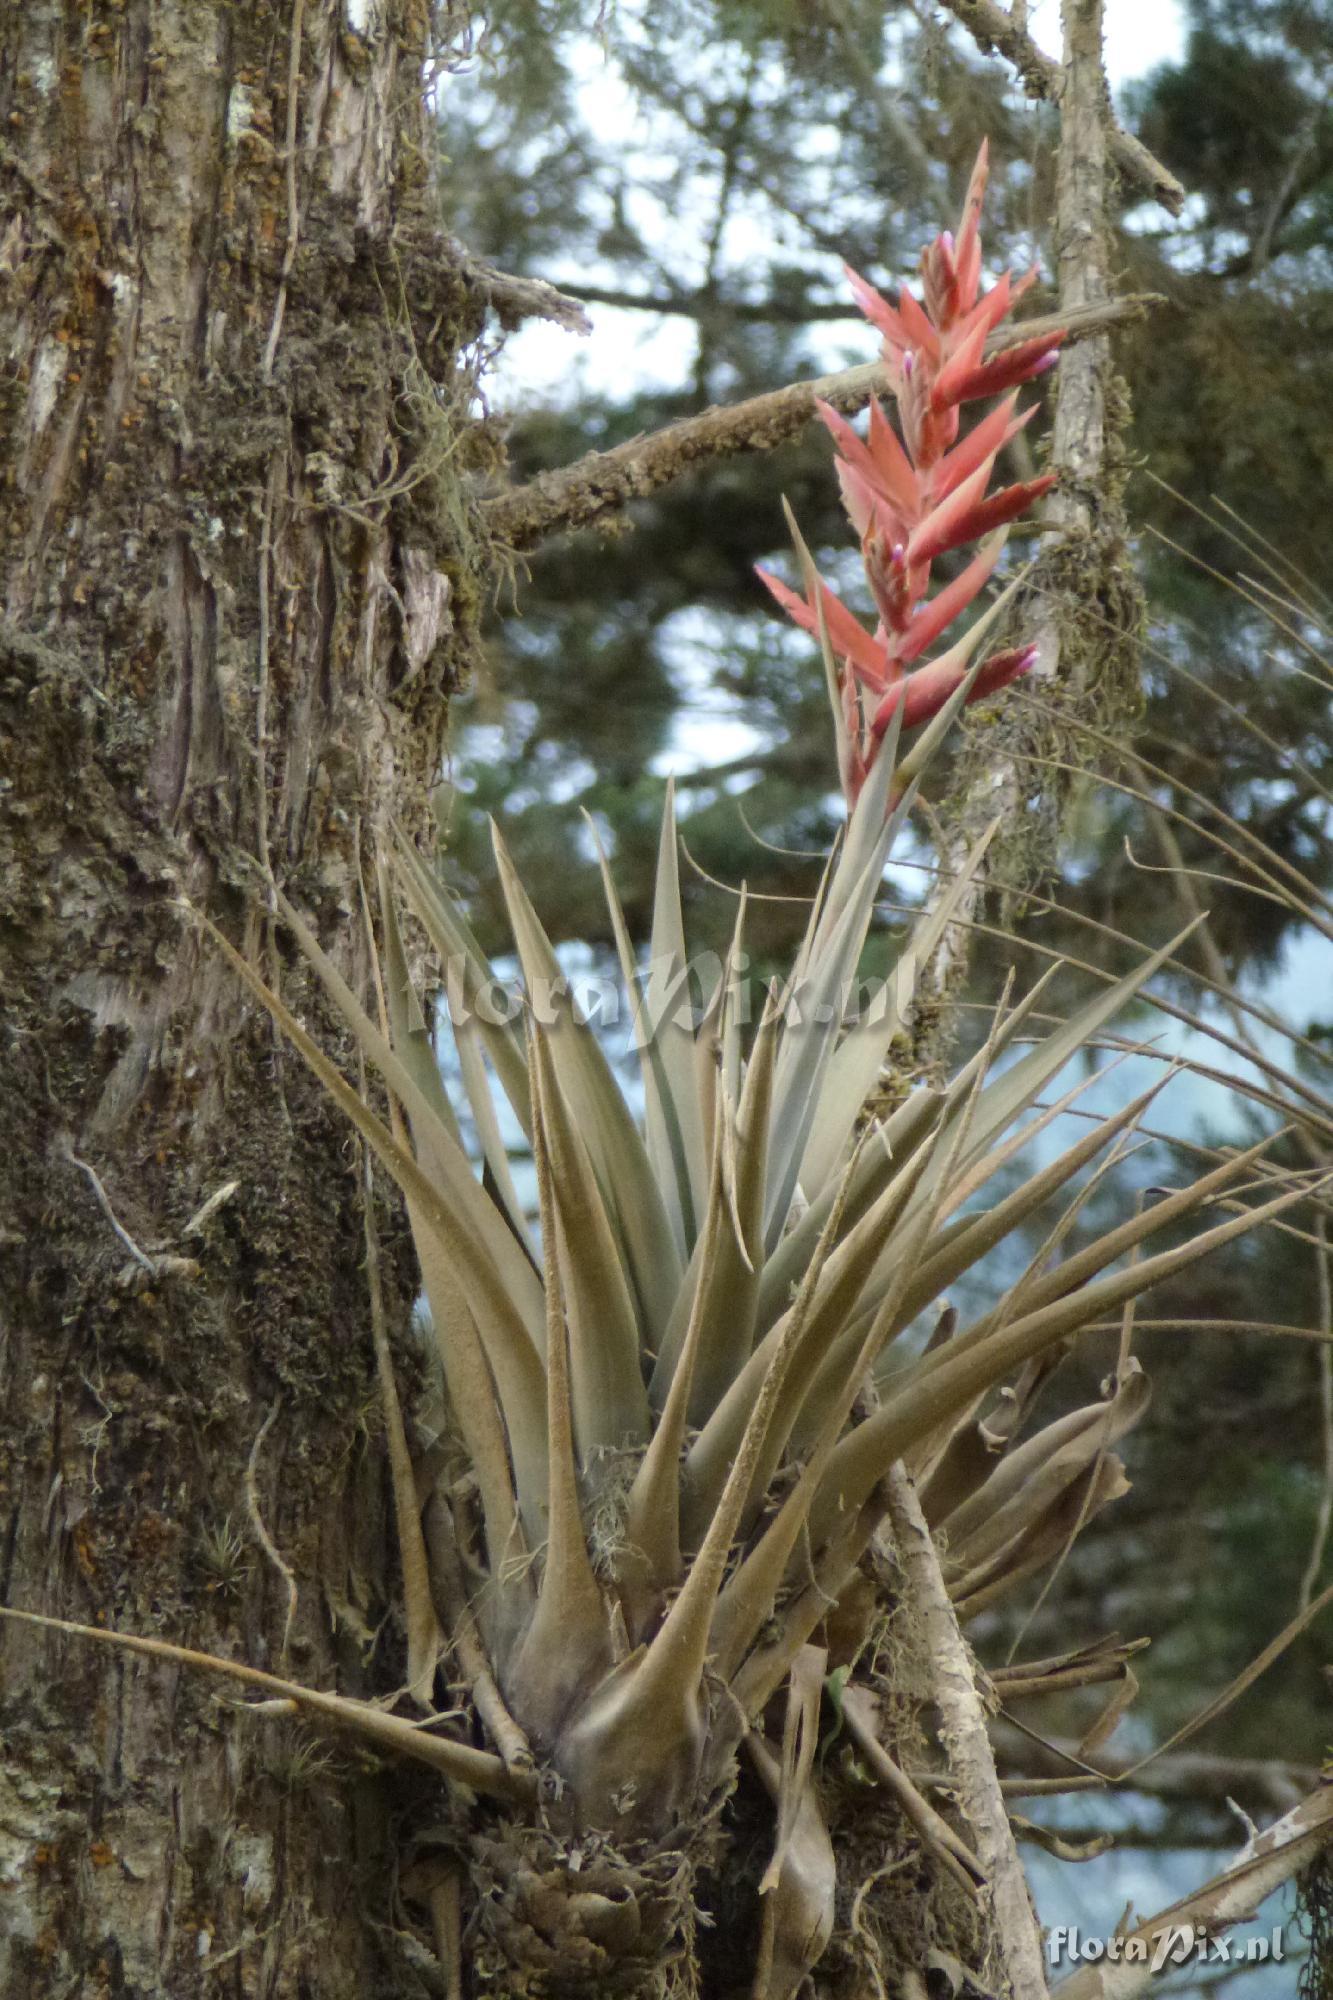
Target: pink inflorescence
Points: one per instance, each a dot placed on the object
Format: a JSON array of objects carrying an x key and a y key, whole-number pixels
[{"x": 914, "y": 500}]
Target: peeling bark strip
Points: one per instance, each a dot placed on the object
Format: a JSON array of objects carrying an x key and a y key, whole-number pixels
[
  {"x": 1016, "y": 1939},
  {"x": 231, "y": 610},
  {"x": 596, "y": 488}
]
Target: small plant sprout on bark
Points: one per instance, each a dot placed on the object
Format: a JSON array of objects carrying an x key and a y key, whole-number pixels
[
  {"x": 707, "y": 1408},
  {"x": 915, "y": 500}
]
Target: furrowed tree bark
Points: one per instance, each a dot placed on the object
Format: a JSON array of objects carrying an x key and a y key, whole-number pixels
[{"x": 235, "y": 575}]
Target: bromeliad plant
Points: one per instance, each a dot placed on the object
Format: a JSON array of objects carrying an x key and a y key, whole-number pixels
[
  {"x": 680, "y": 1395},
  {"x": 916, "y": 500},
  {"x": 682, "y": 1399}
]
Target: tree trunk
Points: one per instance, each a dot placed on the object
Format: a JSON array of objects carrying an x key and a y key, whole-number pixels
[{"x": 235, "y": 575}]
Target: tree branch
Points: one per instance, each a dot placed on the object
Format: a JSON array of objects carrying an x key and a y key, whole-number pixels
[
  {"x": 1185, "y": 1777},
  {"x": 601, "y": 485},
  {"x": 992, "y": 27},
  {"x": 1267, "y": 1861},
  {"x": 711, "y": 304},
  {"x": 963, "y": 1732},
  {"x": 1082, "y": 504},
  {"x": 514, "y": 299}
]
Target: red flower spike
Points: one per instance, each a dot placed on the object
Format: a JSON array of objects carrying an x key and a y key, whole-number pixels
[
  {"x": 888, "y": 477},
  {"x": 967, "y": 256},
  {"x": 939, "y": 278},
  {"x": 991, "y": 435},
  {"x": 990, "y": 309},
  {"x": 891, "y": 582},
  {"x": 1001, "y": 508},
  {"x": 965, "y": 361},
  {"x": 858, "y": 497},
  {"x": 878, "y": 311},
  {"x": 852, "y": 446},
  {"x": 914, "y": 500},
  {"x": 925, "y": 692},
  {"x": 893, "y": 463},
  {"x": 946, "y": 604},
  {"x": 923, "y": 336},
  {"x": 1016, "y": 364},
  {"x": 948, "y": 524},
  {"x": 847, "y": 635},
  {"x": 928, "y": 432}
]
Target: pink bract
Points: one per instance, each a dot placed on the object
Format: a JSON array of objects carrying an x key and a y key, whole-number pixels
[{"x": 918, "y": 498}]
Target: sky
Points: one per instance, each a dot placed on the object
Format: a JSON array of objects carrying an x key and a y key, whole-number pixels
[
  {"x": 544, "y": 365},
  {"x": 539, "y": 363},
  {"x": 1139, "y": 34}
]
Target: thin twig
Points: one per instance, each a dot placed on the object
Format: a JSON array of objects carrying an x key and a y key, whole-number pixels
[
  {"x": 464, "y": 1637},
  {"x": 393, "y": 1734},
  {"x": 601, "y": 485},
  {"x": 1240, "y": 1685},
  {"x": 262, "y": 1536},
  {"x": 953, "y": 1853},
  {"x": 293, "y": 206},
  {"x": 873, "y": 1957},
  {"x": 1192, "y": 1778},
  {"x": 1324, "y": 1514},
  {"x": 698, "y": 304},
  {"x": 140, "y": 1257}
]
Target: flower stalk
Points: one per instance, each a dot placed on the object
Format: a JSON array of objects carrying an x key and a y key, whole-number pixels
[{"x": 915, "y": 499}]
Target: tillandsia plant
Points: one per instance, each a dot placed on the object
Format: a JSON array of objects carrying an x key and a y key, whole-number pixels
[
  {"x": 914, "y": 500},
  {"x": 684, "y": 1399},
  {"x": 681, "y": 1401},
  {"x": 681, "y": 1396}
]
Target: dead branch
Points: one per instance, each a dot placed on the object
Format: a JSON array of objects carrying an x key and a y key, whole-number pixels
[
  {"x": 602, "y": 484},
  {"x": 701, "y": 304},
  {"x": 1266, "y": 1861},
  {"x": 514, "y": 299},
  {"x": 993, "y": 28},
  {"x": 1083, "y": 255},
  {"x": 964, "y": 1734},
  {"x": 393, "y": 1734},
  {"x": 1185, "y": 1777}
]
